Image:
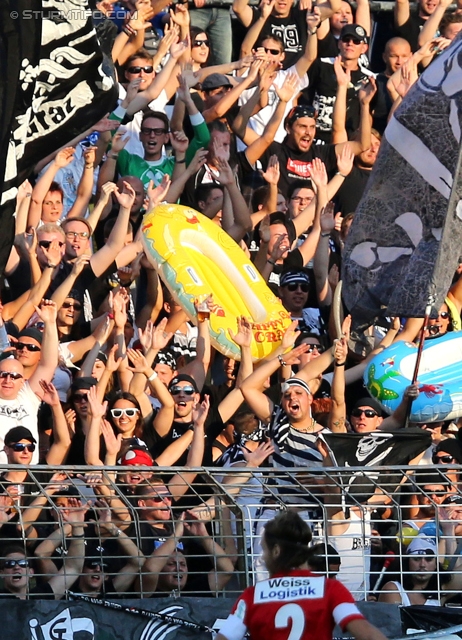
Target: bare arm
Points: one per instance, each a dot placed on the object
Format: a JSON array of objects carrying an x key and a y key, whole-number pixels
[
  {"x": 63, "y": 159},
  {"x": 49, "y": 355},
  {"x": 243, "y": 11},
  {"x": 337, "y": 416},
  {"x": 402, "y": 12}
]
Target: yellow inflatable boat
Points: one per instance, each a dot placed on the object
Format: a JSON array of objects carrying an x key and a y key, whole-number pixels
[{"x": 194, "y": 258}]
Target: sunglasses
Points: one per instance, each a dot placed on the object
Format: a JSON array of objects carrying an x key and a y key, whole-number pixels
[
  {"x": 444, "y": 315},
  {"x": 77, "y": 234},
  {"x": 147, "y": 69},
  {"x": 147, "y": 131},
  {"x": 312, "y": 347},
  {"x": 161, "y": 497},
  {"x": 76, "y": 305},
  {"x": 369, "y": 413},
  {"x": 10, "y": 374},
  {"x": 20, "y": 446},
  {"x": 348, "y": 39},
  {"x": 188, "y": 391},
  {"x": 45, "y": 244},
  {"x": 200, "y": 43},
  {"x": 130, "y": 413},
  {"x": 80, "y": 397},
  {"x": 274, "y": 52},
  {"x": 300, "y": 199},
  {"x": 293, "y": 286},
  {"x": 443, "y": 459},
  {"x": 10, "y": 564},
  {"x": 28, "y": 347}
]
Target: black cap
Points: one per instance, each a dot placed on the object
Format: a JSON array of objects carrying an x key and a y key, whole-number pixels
[
  {"x": 368, "y": 402},
  {"x": 355, "y": 31},
  {"x": 33, "y": 333},
  {"x": 451, "y": 446},
  {"x": 86, "y": 382},
  {"x": 12, "y": 329},
  {"x": 16, "y": 434},
  {"x": 183, "y": 377},
  {"x": 101, "y": 356},
  {"x": 216, "y": 80}
]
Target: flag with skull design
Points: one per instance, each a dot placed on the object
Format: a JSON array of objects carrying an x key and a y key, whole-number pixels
[
  {"x": 405, "y": 241},
  {"x": 376, "y": 449}
]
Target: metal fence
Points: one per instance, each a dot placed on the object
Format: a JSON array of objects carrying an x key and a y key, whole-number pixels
[{"x": 368, "y": 515}]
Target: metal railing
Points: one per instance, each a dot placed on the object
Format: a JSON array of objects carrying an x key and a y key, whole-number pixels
[{"x": 367, "y": 514}]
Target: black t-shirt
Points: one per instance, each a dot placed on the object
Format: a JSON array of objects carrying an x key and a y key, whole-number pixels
[
  {"x": 411, "y": 29},
  {"x": 383, "y": 103},
  {"x": 322, "y": 91},
  {"x": 352, "y": 189},
  {"x": 295, "y": 165},
  {"x": 328, "y": 46},
  {"x": 40, "y": 592},
  {"x": 292, "y": 31}
]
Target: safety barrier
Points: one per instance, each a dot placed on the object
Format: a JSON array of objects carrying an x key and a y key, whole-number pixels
[{"x": 367, "y": 514}]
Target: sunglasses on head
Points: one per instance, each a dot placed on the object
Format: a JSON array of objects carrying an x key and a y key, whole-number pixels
[
  {"x": 130, "y": 413},
  {"x": 80, "y": 397},
  {"x": 188, "y": 391},
  {"x": 369, "y": 413},
  {"x": 443, "y": 459},
  {"x": 147, "y": 69},
  {"x": 28, "y": 347},
  {"x": 274, "y": 52},
  {"x": 75, "y": 305},
  {"x": 200, "y": 43},
  {"x": 10, "y": 374},
  {"x": 293, "y": 286},
  {"x": 21, "y": 446},
  {"x": 10, "y": 564},
  {"x": 45, "y": 244}
]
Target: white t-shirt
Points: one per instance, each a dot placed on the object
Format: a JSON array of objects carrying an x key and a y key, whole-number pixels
[
  {"x": 20, "y": 412},
  {"x": 133, "y": 128},
  {"x": 259, "y": 121}
]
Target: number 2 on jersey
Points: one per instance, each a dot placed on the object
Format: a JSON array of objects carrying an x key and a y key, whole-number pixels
[{"x": 294, "y": 613}]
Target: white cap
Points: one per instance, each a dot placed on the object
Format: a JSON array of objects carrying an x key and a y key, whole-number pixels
[{"x": 421, "y": 546}]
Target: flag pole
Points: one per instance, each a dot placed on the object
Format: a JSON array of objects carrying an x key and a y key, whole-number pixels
[{"x": 428, "y": 310}]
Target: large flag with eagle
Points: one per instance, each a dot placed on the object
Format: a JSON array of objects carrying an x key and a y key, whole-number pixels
[
  {"x": 54, "y": 84},
  {"x": 405, "y": 240}
]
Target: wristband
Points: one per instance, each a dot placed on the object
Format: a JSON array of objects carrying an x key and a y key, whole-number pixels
[
  {"x": 82, "y": 535},
  {"x": 180, "y": 161},
  {"x": 52, "y": 266},
  {"x": 325, "y": 235},
  {"x": 312, "y": 33},
  {"x": 110, "y": 316},
  {"x": 113, "y": 156},
  {"x": 339, "y": 364},
  {"x": 153, "y": 376},
  {"x": 341, "y": 175},
  {"x": 272, "y": 262},
  {"x": 88, "y": 166},
  {"x": 282, "y": 362}
]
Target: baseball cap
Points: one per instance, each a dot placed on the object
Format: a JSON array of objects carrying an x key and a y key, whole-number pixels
[
  {"x": 136, "y": 457},
  {"x": 292, "y": 276},
  {"x": 355, "y": 31},
  {"x": 86, "y": 382},
  {"x": 183, "y": 377},
  {"x": 19, "y": 433},
  {"x": 368, "y": 402},
  {"x": 421, "y": 546},
  {"x": 216, "y": 80}
]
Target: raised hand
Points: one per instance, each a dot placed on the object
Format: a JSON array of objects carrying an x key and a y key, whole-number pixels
[
  {"x": 287, "y": 91},
  {"x": 266, "y": 7},
  {"x": 138, "y": 361},
  {"x": 127, "y": 197},
  {"x": 112, "y": 363},
  {"x": 264, "y": 229},
  {"x": 281, "y": 246},
  {"x": 112, "y": 441},
  {"x": 327, "y": 218},
  {"x": 179, "y": 141},
  {"x": 219, "y": 151},
  {"x": 200, "y": 412},
  {"x": 133, "y": 88},
  {"x": 290, "y": 336},
  {"x": 64, "y": 157},
  {"x": 50, "y": 395},
  {"x": 180, "y": 15},
  {"x": 119, "y": 141},
  {"x": 259, "y": 455},
  {"x": 340, "y": 350},
  {"x": 272, "y": 173},
  {"x": 75, "y": 512},
  {"x": 368, "y": 90},
  {"x": 244, "y": 334},
  {"x": 89, "y": 154},
  {"x": 146, "y": 336},
  {"x": 198, "y": 161},
  {"x": 343, "y": 75},
  {"x": 177, "y": 48},
  {"x": 160, "y": 337},
  {"x": 318, "y": 173},
  {"x": 313, "y": 19},
  {"x": 97, "y": 409},
  {"x": 105, "y": 124},
  {"x": 79, "y": 265},
  {"x": 226, "y": 176},
  {"x": 194, "y": 526},
  {"x": 53, "y": 253},
  {"x": 7, "y": 512},
  {"x": 47, "y": 311},
  {"x": 156, "y": 195},
  {"x": 70, "y": 416},
  {"x": 345, "y": 160}
]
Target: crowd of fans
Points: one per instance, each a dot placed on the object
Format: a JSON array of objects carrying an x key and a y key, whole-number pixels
[{"x": 267, "y": 120}]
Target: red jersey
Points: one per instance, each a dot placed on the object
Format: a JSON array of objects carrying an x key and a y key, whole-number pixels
[{"x": 295, "y": 605}]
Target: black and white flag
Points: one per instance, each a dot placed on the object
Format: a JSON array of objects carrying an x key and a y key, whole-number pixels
[
  {"x": 405, "y": 240},
  {"x": 54, "y": 84},
  {"x": 375, "y": 449}
]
